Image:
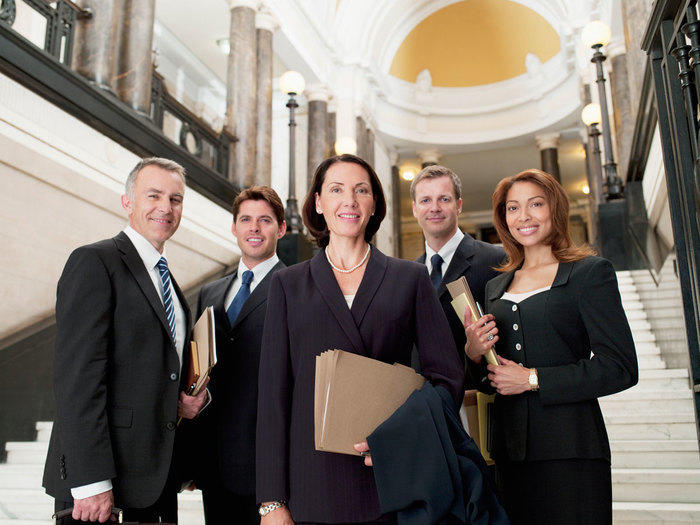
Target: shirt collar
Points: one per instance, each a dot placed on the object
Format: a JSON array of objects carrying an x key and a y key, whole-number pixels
[
  {"x": 148, "y": 253},
  {"x": 448, "y": 249},
  {"x": 260, "y": 270}
]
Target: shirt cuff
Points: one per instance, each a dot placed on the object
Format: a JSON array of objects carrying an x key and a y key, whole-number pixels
[{"x": 93, "y": 489}]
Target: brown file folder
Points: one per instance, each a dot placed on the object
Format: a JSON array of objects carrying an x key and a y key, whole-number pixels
[
  {"x": 202, "y": 351},
  {"x": 354, "y": 395},
  {"x": 462, "y": 299}
]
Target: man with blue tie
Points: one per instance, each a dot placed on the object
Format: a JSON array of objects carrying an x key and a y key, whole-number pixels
[
  {"x": 449, "y": 253},
  {"x": 122, "y": 324},
  {"x": 226, "y": 431}
]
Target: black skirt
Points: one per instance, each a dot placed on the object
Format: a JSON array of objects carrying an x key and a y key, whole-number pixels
[{"x": 553, "y": 492}]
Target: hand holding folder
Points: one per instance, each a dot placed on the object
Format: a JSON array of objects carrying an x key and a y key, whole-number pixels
[{"x": 462, "y": 299}]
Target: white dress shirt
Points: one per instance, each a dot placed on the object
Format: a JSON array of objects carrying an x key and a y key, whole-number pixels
[
  {"x": 446, "y": 252},
  {"x": 150, "y": 257},
  {"x": 259, "y": 273}
]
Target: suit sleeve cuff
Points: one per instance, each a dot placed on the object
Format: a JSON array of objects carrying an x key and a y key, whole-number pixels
[{"x": 93, "y": 489}]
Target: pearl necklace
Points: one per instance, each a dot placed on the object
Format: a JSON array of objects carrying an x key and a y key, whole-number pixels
[{"x": 349, "y": 270}]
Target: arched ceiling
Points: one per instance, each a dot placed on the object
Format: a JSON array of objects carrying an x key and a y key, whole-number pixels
[{"x": 475, "y": 42}]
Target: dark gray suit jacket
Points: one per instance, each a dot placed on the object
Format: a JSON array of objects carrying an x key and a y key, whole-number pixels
[
  {"x": 225, "y": 433},
  {"x": 116, "y": 377},
  {"x": 395, "y": 308},
  {"x": 475, "y": 260}
]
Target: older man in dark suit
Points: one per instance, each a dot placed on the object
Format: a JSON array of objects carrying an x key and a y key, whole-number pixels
[
  {"x": 122, "y": 323},
  {"x": 226, "y": 433},
  {"x": 450, "y": 254}
]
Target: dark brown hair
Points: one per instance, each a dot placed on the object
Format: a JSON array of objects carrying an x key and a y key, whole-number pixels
[
  {"x": 563, "y": 247},
  {"x": 260, "y": 193},
  {"x": 433, "y": 172},
  {"x": 316, "y": 223}
]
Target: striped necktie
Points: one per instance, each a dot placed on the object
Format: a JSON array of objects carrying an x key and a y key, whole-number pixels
[{"x": 167, "y": 298}]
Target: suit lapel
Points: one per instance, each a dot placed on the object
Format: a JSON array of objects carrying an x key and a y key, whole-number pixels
[
  {"x": 324, "y": 280},
  {"x": 499, "y": 284},
  {"x": 133, "y": 261},
  {"x": 219, "y": 300},
  {"x": 460, "y": 263},
  {"x": 374, "y": 275},
  {"x": 258, "y": 296}
]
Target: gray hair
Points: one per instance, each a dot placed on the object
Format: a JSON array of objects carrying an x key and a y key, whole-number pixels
[
  {"x": 166, "y": 164},
  {"x": 433, "y": 172}
]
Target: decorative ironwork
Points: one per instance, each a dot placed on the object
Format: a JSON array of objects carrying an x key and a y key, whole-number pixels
[
  {"x": 8, "y": 11},
  {"x": 210, "y": 147},
  {"x": 675, "y": 68}
]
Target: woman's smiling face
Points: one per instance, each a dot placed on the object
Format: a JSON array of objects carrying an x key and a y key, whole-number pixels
[
  {"x": 528, "y": 214},
  {"x": 346, "y": 200}
]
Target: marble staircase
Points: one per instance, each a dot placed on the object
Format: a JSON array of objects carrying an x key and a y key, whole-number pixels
[{"x": 655, "y": 459}]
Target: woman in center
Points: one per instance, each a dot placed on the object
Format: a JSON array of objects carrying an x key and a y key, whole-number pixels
[{"x": 350, "y": 297}]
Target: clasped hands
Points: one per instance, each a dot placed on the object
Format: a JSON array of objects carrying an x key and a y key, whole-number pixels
[
  {"x": 509, "y": 378},
  {"x": 189, "y": 406}
]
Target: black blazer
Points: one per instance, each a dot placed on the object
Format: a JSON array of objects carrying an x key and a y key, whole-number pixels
[
  {"x": 556, "y": 332},
  {"x": 395, "y": 307},
  {"x": 475, "y": 260},
  {"x": 116, "y": 377},
  {"x": 226, "y": 431}
]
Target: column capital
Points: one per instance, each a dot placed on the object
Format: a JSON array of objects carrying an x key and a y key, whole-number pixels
[
  {"x": 253, "y": 4},
  {"x": 431, "y": 156},
  {"x": 615, "y": 47},
  {"x": 317, "y": 92},
  {"x": 264, "y": 19},
  {"x": 547, "y": 140}
]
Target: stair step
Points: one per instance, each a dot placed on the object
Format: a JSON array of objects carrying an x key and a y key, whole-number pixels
[
  {"x": 643, "y": 402},
  {"x": 671, "y": 378},
  {"x": 650, "y": 362},
  {"x": 639, "y": 324},
  {"x": 650, "y": 426},
  {"x": 643, "y": 336},
  {"x": 43, "y": 430},
  {"x": 681, "y": 454},
  {"x": 642, "y": 513},
  {"x": 656, "y": 485}
]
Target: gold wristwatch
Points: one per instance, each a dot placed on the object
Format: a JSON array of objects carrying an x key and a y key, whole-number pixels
[
  {"x": 534, "y": 383},
  {"x": 264, "y": 510}
]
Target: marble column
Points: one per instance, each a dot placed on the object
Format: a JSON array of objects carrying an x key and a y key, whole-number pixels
[
  {"x": 428, "y": 157},
  {"x": 134, "y": 64},
  {"x": 265, "y": 27},
  {"x": 95, "y": 41},
  {"x": 330, "y": 132},
  {"x": 635, "y": 16},
  {"x": 548, "y": 144},
  {"x": 317, "y": 144},
  {"x": 370, "y": 147},
  {"x": 241, "y": 89},
  {"x": 624, "y": 115},
  {"x": 362, "y": 139},
  {"x": 396, "y": 205}
]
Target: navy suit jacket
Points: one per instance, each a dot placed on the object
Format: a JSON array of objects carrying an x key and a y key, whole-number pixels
[
  {"x": 225, "y": 432},
  {"x": 395, "y": 307}
]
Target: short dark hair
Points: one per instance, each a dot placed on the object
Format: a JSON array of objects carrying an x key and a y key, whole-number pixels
[
  {"x": 434, "y": 171},
  {"x": 316, "y": 223},
  {"x": 260, "y": 193}
]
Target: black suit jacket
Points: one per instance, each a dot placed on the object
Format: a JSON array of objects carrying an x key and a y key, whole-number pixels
[
  {"x": 226, "y": 431},
  {"x": 475, "y": 260},
  {"x": 116, "y": 377},
  {"x": 395, "y": 308},
  {"x": 557, "y": 330}
]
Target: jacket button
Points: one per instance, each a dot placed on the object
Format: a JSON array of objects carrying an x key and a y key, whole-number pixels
[
  {"x": 173, "y": 376},
  {"x": 515, "y": 327},
  {"x": 170, "y": 425},
  {"x": 518, "y": 346},
  {"x": 515, "y": 307}
]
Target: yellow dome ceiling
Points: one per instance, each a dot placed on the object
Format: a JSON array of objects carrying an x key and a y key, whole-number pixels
[{"x": 475, "y": 42}]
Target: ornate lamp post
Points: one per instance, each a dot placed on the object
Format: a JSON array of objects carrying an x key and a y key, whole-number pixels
[
  {"x": 591, "y": 117},
  {"x": 595, "y": 35},
  {"x": 292, "y": 84}
]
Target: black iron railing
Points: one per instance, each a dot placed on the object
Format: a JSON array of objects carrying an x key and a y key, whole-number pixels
[{"x": 672, "y": 40}]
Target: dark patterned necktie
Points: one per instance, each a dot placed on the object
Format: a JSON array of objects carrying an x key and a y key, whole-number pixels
[
  {"x": 436, "y": 272},
  {"x": 241, "y": 296}
]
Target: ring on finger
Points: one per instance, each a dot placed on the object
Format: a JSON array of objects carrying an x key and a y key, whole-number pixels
[{"x": 490, "y": 336}]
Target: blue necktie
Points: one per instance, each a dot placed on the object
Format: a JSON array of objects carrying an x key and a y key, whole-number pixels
[
  {"x": 240, "y": 298},
  {"x": 436, "y": 272},
  {"x": 167, "y": 298}
]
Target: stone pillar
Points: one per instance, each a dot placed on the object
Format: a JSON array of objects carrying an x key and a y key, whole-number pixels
[
  {"x": 95, "y": 41},
  {"x": 330, "y": 133},
  {"x": 241, "y": 89},
  {"x": 265, "y": 27},
  {"x": 134, "y": 63},
  {"x": 362, "y": 139},
  {"x": 635, "y": 16},
  {"x": 548, "y": 143},
  {"x": 428, "y": 157},
  {"x": 624, "y": 114},
  {"x": 318, "y": 147},
  {"x": 370, "y": 147},
  {"x": 396, "y": 205}
]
